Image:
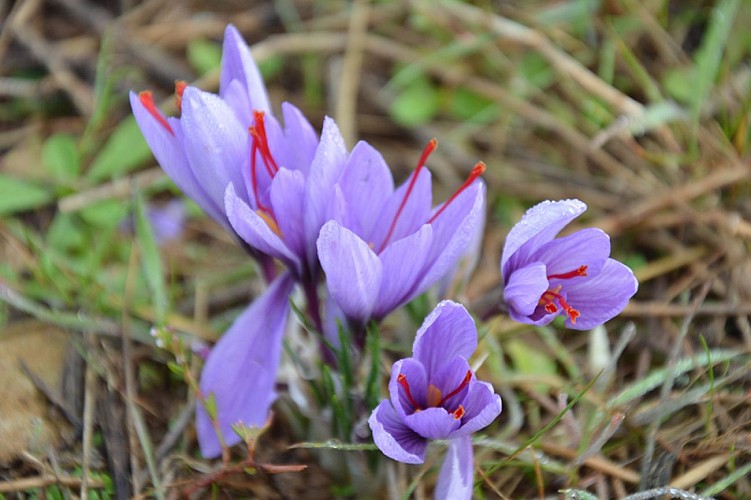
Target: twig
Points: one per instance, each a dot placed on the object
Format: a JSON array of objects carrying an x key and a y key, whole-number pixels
[{"x": 28, "y": 483}]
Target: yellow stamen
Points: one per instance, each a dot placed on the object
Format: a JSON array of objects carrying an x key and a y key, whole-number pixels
[
  {"x": 269, "y": 220},
  {"x": 434, "y": 395}
]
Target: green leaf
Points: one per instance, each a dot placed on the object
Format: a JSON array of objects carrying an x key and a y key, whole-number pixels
[
  {"x": 105, "y": 214},
  {"x": 531, "y": 361},
  {"x": 18, "y": 195},
  {"x": 150, "y": 259},
  {"x": 125, "y": 150},
  {"x": 64, "y": 233},
  {"x": 467, "y": 105},
  {"x": 204, "y": 56},
  {"x": 416, "y": 104},
  {"x": 60, "y": 156}
]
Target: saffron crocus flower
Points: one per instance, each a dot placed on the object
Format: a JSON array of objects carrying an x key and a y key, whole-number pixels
[
  {"x": 388, "y": 246},
  {"x": 544, "y": 277},
  {"x": 435, "y": 395}
]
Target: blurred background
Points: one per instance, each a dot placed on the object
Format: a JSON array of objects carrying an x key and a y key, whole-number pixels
[{"x": 639, "y": 108}]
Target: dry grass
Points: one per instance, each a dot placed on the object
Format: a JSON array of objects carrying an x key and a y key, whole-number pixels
[{"x": 641, "y": 109}]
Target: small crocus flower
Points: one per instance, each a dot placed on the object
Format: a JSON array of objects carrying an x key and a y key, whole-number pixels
[
  {"x": 388, "y": 246},
  {"x": 574, "y": 276},
  {"x": 435, "y": 395}
]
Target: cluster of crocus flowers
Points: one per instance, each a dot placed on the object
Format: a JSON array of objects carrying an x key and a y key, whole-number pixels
[
  {"x": 435, "y": 395},
  {"x": 573, "y": 276}
]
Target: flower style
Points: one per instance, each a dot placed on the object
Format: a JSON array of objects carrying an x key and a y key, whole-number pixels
[
  {"x": 388, "y": 246},
  {"x": 544, "y": 277},
  {"x": 435, "y": 395}
]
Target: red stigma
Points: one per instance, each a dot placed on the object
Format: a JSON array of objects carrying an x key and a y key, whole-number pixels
[
  {"x": 458, "y": 413},
  {"x": 179, "y": 89},
  {"x": 477, "y": 171},
  {"x": 464, "y": 383},
  {"x": 402, "y": 380},
  {"x": 147, "y": 99},
  {"x": 258, "y": 131},
  {"x": 547, "y": 299},
  {"x": 432, "y": 145},
  {"x": 581, "y": 271}
]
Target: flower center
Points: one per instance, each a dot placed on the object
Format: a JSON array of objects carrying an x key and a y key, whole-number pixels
[
  {"x": 147, "y": 99},
  {"x": 435, "y": 397},
  {"x": 477, "y": 171},
  {"x": 551, "y": 296},
  {"x": 260, "y": 146}
]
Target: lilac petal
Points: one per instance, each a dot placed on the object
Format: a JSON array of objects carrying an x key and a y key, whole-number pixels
[
  {"x": 449, "y": 378},
  {"x": 167, "y": 149},
  {"x": 300, "y": 135},
  {"x": 524, "y": 288},
  {"x": 414, "y": 214},
  {"x": 287, "y": 191},
  {"x": 453, "y": 232},
  {"x": 590, "y": 247},
  {"x": 538, "y": 226},
  {"x": 325, "y": 171},
  {"x": 241, "y": 369},
  {"x": 256, "y": 232},
  {"x": 481, "y": 406},
  {"x": 236, "y": 97},
  {"x": 433, "y": 423},
  {"x": 403, "y": 265},
  {"x": 602, "y": 297},
  {"x": 456, "y": 479},
  {"x": 238, "y": 64},
  {"x": 215, "y": 142},
  {"x": 448, "y": 331},
  {"x": 460, "y": 274},
  {"x": 367, "y": 183},
  {"x": 418, "y": 384},
  {"x": 393, "y": 438},
  {"x": 353, "y": 271}
]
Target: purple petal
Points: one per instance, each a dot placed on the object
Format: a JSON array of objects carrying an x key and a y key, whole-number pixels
[
  {"x": 325, "y": 171},
  {"x": 238, "y": 64},
  {"x": 403, "y": 266},
  {"x": 418, "y": 384},
  {"x": 433, "y": 423},
  {"x": 456, "y": 479},
  {"x": 602, "y": 297},
  {"x": 298, "y": 133},
  {"x": 538, "y": 226},
  {"x": 453, "y": 232},
  {"x": 414, "y": 214},
  {"x": 481, "y": 406},
  {"x": 215, "y": 142},
  {"x": 449, "y": 331},
  {"x": 256, "y": 232},
  {"x": 167, "y": 149},
  {"x": 353, "y": 271},
  {"x": 450, "y": 377},
  {"x": 241, "y": 369},
  {"x": 393, "y": 438},
  {"x": 367, "y": 184},
  {"x": 525, "y": 287},
  {"x": 590, "y": 247},
  {"x": 236, "y": 97},
  {"x": 287, "y": 191}
]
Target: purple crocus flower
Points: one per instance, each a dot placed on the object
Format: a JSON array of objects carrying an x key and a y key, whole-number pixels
[
  {"x": 388, "y": 246},
  {"x": 544, "y": 277},
  {"x": 435, "y": 395}
]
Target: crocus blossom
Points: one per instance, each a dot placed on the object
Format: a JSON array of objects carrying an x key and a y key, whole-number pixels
[
  {"x": 241, "y": 369},
  {"x": 544, "y": 276},
  {"x": 435, "y": 395},
  {"x": 386, "y": 246}
]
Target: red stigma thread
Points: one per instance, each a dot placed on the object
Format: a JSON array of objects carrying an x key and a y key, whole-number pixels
[
  {"x": 179, "y": 89},
  {"x": 458, "y": 413},
  {"x": 464, "y": 383},
  {"x": 547, "y": 299},
  {"x": 581, "y": 271},
  {"x": 402, "y": 380},
  {"x": 432, "y": 145},
  {"x": 477, "y": 171},
  {"x": 258, "y": 131},
  {"x": 147, "y": 99}
]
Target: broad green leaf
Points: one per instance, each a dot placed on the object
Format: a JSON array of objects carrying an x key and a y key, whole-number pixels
[
  {"x": 125, "y": 150},
  {"x": 416, "y": 104},
  {"x": 18, "y": 195},
  {"x": 61, "y": 157}
]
